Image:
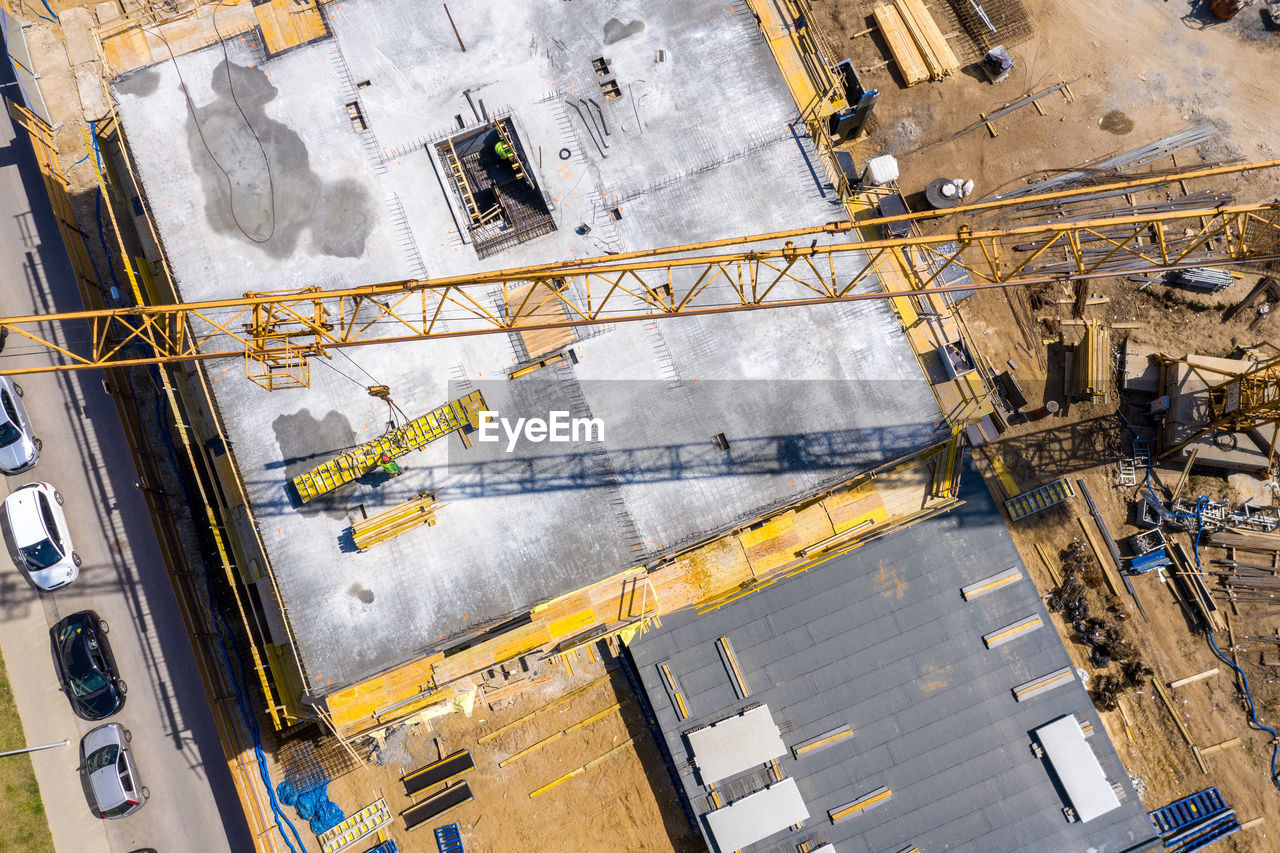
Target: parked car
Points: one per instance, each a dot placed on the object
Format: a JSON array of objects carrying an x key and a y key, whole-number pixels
[
  {"x": 86, "y": 667},
  {"x": 37, "y": 535},
  {"x": 108, "y": 773},
  {"x": 19, "y": 449}
]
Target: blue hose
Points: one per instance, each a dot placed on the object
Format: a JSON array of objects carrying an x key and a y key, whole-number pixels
[
  {"x": 1198, "y": 514},
  {"x": 56, "y": 19}
]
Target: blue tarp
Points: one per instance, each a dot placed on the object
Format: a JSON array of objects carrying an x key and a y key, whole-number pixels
[{"x": 313, "y": 804}]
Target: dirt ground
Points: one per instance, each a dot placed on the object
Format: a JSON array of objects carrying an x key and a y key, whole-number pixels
[
  {"x": 1153, "y": 68},
  {"x": 1146, "y": 70},
  {"x": 624, "y": 802}
]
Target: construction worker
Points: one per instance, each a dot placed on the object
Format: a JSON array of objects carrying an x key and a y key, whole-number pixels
[
  {"x": 503, "y": 150},
  {"x": 388, "y": 465}
]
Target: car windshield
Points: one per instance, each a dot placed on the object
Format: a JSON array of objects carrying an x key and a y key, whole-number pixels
[
  {"x": 90, "y": 684},
  {"x": 101, "y": 758},
  {"x": 9, "y": 434},
  {"x": 41, "y": 555}
]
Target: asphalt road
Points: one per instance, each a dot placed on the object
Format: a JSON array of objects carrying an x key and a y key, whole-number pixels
[{"x": 193, "y": 805}]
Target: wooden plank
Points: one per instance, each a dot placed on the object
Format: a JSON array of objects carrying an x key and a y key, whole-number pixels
[
  {"x": 584, "y": 768},
  {"x": 1210, "y": 750},
  {"x": 1186, "y": 472},
  {"x": 933, "y": 45},
  {"x": 1107, "y": 573},
  {"x": 823, "y": 740},
  {"x": 1173, "y": 712},
  {"x": 912, "y": 26},
  {"x": 529, "y": 716},
  {"x": 1190, "y": 678},
  {"x": 1036, "y": 686},
  {"x": 988, "y": 585},
  {"x": 538, "y": 303},
  {"x": 1010, "y": 632},
  {"x": 905, "y": 53},
  {"x": 875, "y": 798},
  {"x": 1048, "y": 564}
]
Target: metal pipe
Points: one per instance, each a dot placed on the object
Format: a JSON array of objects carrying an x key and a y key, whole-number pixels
[
  {"x": 36, "y": 748},
  {"x": 455, "y": 27},
  {"x": 587, "y": 125},
  {"x": 603, "y": 124}
]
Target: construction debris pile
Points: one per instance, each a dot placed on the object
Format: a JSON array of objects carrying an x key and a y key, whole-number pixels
[{"x": 1103, "y": 635}]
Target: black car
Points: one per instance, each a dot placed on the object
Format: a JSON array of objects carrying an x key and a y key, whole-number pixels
[{"x": 86, "y": 667}]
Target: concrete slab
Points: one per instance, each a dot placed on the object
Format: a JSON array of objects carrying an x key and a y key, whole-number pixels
[
  {"x": 107, "y": 12},
  {"x": 89, "y": 87},
  {"x": 77, "y": 25},
  {"x": 698, "y": 147}
]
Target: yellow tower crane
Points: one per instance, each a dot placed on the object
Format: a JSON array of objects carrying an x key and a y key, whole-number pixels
[{"x": 277, "y": 333}]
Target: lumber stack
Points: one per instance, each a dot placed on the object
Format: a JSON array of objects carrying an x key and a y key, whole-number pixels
[
  {"x": 905, "y": 53},
  {"x": 1249, "y": 540},
  {"x": 918, "y": 46},
  {"x": 400, "y": 519}
]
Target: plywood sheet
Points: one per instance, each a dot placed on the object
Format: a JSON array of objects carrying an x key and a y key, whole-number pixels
[
  {"x": 541, "y": 306},
  {"x": 289, "y": 23}
]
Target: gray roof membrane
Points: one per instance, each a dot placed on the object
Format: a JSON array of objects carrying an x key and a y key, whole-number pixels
[{"x": 882, "y": 641}]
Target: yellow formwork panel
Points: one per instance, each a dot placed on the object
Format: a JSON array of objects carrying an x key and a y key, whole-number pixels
[
  {"x": 571, "y": 624},
  {"x": 419, "y": 432},
  {"x": 288, "y": 23},
  {"x": 777, "y": 526},
  {"x": 1007, "y": 482},
  {"x": 130, "y": 47},
  {"x": 288, "y": 680},
  {"x": 521, "y": 645}
]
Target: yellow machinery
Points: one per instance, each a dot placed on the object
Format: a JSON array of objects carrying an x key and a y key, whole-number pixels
[
  {"x": 417, "y": 433},
  {"x": 278, "y": 332},
  {"x": 743, "y": 274}
]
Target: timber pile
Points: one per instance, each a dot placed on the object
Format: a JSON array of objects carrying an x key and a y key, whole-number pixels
[
  {"x": 399, "y": 519},
  {"x": 905, "y": 53},
  {"x": 1248, "y": 540},
  {"x": 1191, "y": 591},
  {"x": 938, "y": 56}
]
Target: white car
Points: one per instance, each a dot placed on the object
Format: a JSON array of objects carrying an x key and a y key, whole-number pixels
[
  {"x": 108, "y": 773},
  {"x": 37, "y": 535},
  {"x": 19, "y": 449}
]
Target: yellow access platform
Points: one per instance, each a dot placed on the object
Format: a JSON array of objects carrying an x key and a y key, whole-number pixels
[{"x": 419, "y": 432}]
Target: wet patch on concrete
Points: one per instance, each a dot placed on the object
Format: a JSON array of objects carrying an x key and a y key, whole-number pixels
[
  {"x": 140, "y": 83},
  {"x": 358, "y": 591},
  {"x": 615, "y": 31},
  {"x": 306, "y": 442},
  {"x": 257, "y": 179}
]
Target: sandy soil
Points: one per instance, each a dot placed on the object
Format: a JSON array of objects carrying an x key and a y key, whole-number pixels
[
  {"x": 626, "y": 802},
  {"x": 1154, "y": 66}
]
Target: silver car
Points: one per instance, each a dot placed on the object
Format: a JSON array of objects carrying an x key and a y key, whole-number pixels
[
  {"x": 19, "y": 449},
  {"x": 108, "y": 773},
  {"x": 36, "y": 533}
]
